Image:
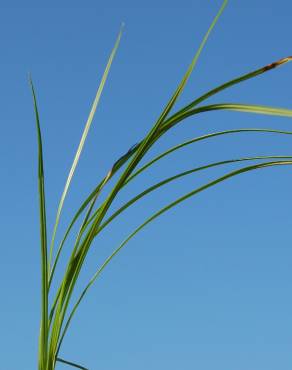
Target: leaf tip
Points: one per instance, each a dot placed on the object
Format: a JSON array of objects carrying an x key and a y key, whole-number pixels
[{"x": 277, "y": 63}]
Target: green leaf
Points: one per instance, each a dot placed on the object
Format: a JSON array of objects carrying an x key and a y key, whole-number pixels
[
  {"x": 180, "y": 200},
  {"x": 82, "y": 141},
  {"x": 200, "y": 138},
  {"x": 151, "y": 137},
  {"x": 234, "y": 82},
  {"x": 71, "y": 364},
  {"x": 186, "y": 143},
  {"x": 116, "y": 166},
  {"x": 246, "y": 108},
  {"x": 178, "y": 176},
  {"x": 142, "y": 149},
  {"x": 166, "y": 208},
  {"x": 43, "y": 235}
]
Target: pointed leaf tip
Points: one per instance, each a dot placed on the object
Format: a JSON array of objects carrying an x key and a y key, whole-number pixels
[{"x": 278, "y": 63}]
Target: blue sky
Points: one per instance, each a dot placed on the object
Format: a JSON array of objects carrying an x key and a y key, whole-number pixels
[{"x": 208, "y": 286}]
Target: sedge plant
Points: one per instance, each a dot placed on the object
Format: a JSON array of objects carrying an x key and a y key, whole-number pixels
[{"x": 57, "y": 305}]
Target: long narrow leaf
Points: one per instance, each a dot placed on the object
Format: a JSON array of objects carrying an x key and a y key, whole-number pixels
[
  {"x": 233, "y": 82},
  {"x": 55, "y": 330},
  {"x": 82, "y": 141},
  {"x": 143, "y": 168},
  {"x": 189, "y": 142},
  {"x": 246, "y": 108},
  {"x": 148, "y": 164},
  {"x": 182, "y": 199},
  {"x": 200, "y": 138},
  {"x": 150, "y": 138},
  {"x": 143, "y": 148},
  {"x": 116, "y": 166},
  {"x": 236, "y": 107},
  {"x": 178, "y": 176},
  {"x": 43, "y": 235},
  {"x": 71, "y": 363},
  {"x": 163, "y": 210}
]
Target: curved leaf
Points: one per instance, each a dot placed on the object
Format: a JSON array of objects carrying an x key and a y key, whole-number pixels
[
  {"x": 146, "y": 143},
  {"x": 233, "y": 82},
  {"x": 152, "y": 218}
]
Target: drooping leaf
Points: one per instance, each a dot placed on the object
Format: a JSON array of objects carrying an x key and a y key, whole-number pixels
[{"x": 165, "y": 209}]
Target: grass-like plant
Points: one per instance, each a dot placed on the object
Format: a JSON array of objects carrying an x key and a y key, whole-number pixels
[{"x": 58, "y": 312}]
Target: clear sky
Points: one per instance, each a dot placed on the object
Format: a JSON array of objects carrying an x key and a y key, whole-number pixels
[{"x": 208, "y": 286}]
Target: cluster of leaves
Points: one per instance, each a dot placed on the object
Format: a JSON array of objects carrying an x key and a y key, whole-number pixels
[{"x": 57, "y": 315}]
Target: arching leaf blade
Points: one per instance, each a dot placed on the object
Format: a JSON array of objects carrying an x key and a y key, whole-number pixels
[
  {"x": 156, "y": 215},
  {"x": 233, "y": 82}
]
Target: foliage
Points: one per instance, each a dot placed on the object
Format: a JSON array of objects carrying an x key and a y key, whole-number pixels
[{"x": 56, "y": 314}]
